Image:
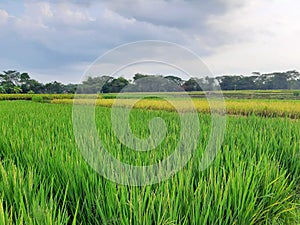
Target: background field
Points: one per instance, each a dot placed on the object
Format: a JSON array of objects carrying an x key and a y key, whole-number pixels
[
  {"x": 275, "y": 103},
  {"x": 251, "y": 94}
]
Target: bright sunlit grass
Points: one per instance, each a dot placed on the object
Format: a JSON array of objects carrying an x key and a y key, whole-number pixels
[{"x": 44, "y": 179}]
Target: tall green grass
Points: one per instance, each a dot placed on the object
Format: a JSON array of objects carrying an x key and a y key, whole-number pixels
[{"x": 254, "y": 179}]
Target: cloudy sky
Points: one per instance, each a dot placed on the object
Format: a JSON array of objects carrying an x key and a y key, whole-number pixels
[{"x": 58, "y": 40}]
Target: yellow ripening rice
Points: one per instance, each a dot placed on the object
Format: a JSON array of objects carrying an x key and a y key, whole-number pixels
[{"x": 270, "y": 108}]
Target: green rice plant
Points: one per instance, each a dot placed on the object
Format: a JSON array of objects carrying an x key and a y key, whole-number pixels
[{"x": 45, "y": 180}]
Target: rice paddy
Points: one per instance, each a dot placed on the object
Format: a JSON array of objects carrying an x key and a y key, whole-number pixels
[
  {"x": 260, "y": 107},
  {"x": 44, "y": 179}
]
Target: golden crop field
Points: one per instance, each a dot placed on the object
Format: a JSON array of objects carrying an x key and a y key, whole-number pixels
[{"x": 269, "y": 108}]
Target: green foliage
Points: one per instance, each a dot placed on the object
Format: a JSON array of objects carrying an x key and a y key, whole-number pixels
[
  {"x": 109, "y": 96},
  {"x": 93, "y": 85},
  {"x": 44, "y": 179},
  {"x": 17, "y": 89},
  {"x": 158, "y": 83},
  {"x": 37, "y": 98},
  {"x": 29, "y": 96},
  {"x": 15, "y": 96},
  {"x": 152, "y": 97},
  {"x": 192, "y": 85},
  {"x": 2, "y": 90},
  {"x": 12, "y": 81}
]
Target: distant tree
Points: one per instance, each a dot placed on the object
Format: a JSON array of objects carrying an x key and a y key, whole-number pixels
[
  {"x": 17, "y": 89},
  {"x": 24, "y": 77},
  {"x": 70, "y": 88},
  {"x": 12, "y": 81},
  {"x": 276, "y": 80},
  {"x": 293, "y": 79},
  {"x": 279, "y": 81},
  {"x": 191, "y": 85},
  {"x": 118, "y": 84},
  {"x": 155, "y": 83},
  {"x": 207, "y": 83},
  {"x": 256, "y": 73},
  {"x": 54, "y": 88},
  {"x": 138, "y": 76},
  {"x": 228, "y": 82},
  {"x": 246, "y": 83},
  {"x": 9, "y": 79},
  {"x": 33, "y": 85},
  {"x": 2, "y": 90},
  {"x": 175, "y": 79},
  {"x": 93, "y": 85}
]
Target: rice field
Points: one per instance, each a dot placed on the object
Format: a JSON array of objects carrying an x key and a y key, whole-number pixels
[
  {"x": 254, "y": 179},
  {"x": 260, "y": 107}
]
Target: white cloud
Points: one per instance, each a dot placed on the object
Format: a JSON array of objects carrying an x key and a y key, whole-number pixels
[
  {"x": 3, "y": 16},
  {"x": 261, "y": 36}
]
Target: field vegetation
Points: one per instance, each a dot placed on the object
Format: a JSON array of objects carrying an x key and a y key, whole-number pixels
[
  {"x": 260, "y": 107},
  {"x": 44, "y": 179}
]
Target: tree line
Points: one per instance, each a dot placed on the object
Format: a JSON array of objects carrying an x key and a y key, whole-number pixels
[
  {"x": 12, "y": 81},
  {"x": 143, "y": 83}
]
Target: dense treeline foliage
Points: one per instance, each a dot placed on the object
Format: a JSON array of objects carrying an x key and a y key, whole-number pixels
[
  {"x": 15, "y": 82},
  {"x": 144, "y": 83},
  {"x": 271, "y": 81},
  {"x": 12, "y": 81}
]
